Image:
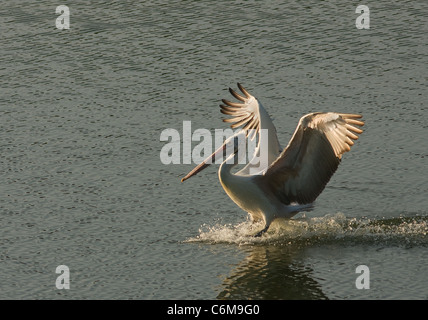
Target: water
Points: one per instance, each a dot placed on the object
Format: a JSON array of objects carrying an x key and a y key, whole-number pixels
[{"x": 81, "y": 112}]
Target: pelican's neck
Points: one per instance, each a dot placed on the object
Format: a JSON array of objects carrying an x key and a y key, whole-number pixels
[{"x": 224, "y": 173}]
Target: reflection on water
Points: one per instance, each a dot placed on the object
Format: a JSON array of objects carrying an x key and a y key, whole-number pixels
[
  {"x": 276, "y": 265},
  {"x": 271, "y": 273}
]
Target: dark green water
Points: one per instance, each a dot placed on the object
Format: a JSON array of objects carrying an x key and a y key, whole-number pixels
[{"x": 82, "y": 184}]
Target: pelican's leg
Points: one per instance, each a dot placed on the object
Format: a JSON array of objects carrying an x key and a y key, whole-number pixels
[{"x": 261, "y": 232}]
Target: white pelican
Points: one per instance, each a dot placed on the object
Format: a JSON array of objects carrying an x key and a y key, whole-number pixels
[{"x": 293, "y": 177}]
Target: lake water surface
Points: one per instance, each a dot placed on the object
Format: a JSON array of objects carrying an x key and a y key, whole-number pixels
[{"x": 82, "y": 183}]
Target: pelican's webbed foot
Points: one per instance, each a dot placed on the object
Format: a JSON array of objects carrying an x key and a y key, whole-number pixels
[{"x": 261, "y": 232}]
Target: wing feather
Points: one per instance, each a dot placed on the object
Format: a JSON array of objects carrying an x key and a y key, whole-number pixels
[
  {"x": 236, "y": 95},
  {"x": 250, "y": 114},
  {"x": 248, "y": 109},
  {"x": 304, "y": 168}
]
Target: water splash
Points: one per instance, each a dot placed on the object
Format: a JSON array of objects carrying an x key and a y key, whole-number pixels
[{"x": 335, "y": 228}]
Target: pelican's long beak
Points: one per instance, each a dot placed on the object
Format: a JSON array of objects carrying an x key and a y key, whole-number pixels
[{"x": 206, "y": 162}]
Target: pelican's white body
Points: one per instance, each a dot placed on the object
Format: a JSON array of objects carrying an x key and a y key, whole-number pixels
[{"x": 249, "y": 197}]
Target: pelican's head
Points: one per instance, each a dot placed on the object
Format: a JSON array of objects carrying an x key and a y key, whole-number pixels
[{"x": 229, "y": 148}]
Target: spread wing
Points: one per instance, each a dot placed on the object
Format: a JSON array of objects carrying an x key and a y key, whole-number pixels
[
  {"x": 244, "y": 114},
  {"x": 306, "y": 165},
  {"x": 252, "y": 117}
]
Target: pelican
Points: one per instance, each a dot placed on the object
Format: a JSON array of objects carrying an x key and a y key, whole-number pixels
[{"x": 293, "y": 177}]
